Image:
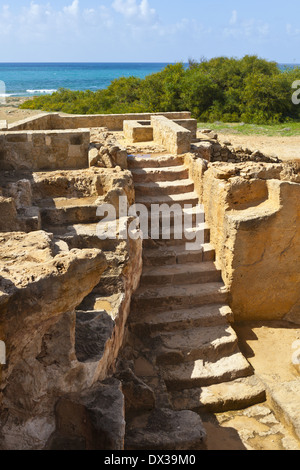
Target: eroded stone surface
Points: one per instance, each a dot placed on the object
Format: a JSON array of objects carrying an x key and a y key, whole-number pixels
[
  {"x": 168, "y": 430},
  {"x": 38, "y": 298},
  {"x": 64, "y": 304},
  {"x": 253, "y": 213},
  {"x": 54, "y": 347},
  {"x": 93, "y": 420}
]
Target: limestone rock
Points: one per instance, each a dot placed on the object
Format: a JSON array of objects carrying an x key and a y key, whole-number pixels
[
  {"x": 37, "y": 322},
  {"x": 138, "y": 395},
  {"x": 247, "y": 205},
  {"x": 285, "y": 399},
  {"x": 203, "y": 150},
  {"x": 93, "y": 157},
  {"x": 165, "y": 429},
  {"x": 93, "y": 330},
  {"x": 8, "y": 220},
  {"x": 93, "y": 420},
  {"x": 21, "y": 193},
  {"x": 109, "y": 152}
]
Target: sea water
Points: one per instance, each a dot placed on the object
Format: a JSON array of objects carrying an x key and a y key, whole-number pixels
[{"x": 35, "y": 79}]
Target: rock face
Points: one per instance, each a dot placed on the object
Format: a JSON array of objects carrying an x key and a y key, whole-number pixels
[
  {"x": 91, "y": 420},
  {"x": 65, "y": 298},
  {"x": 253, "y": 213},
  {"x": 168, "y": 430},
  {"x": 38, "y": 300},
  {"x": 105, "y": 151},
  {"x": 17, "y": 210}
]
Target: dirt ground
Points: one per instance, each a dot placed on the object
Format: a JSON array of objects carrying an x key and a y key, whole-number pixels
[
  {"x": 268, "y": 347},
  {"x": 9, "y": 111},
  {"x": 285, "y": 148}
]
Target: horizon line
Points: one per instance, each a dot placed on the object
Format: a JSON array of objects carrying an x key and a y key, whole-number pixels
[
  {"x": 116, "y": 62},
  {"x": 128, "y": 62}
]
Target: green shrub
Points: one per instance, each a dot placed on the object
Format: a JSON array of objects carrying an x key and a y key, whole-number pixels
[{"x": 250, "y": 89}]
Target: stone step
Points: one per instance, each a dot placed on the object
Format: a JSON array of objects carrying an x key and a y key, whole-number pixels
[
  {"x": 181, "y": 199},
  {"x": 199, "y": 234},
  {"x": 202, "y": 373},
  {"x": 174, "y": 320},
  {"x": 66, "y": 202},
  {"x": 175, "y": 297},
  {"x": 64, "y": 184},
  {"x": 193, "y": 214},
  {"x": 177, "y": 255},
  {"x": 162, "y": 188},
  {"x": 228, "y": 396},
  {"x": 81, "y": 236},
  {"x": 148, "y": 175},
  {"x": 154, "y": 162},
  {"x": 165, "y": 429},
  {"x": 193, "y": 273},
  {"x": 208, "y": 343},
  {"x": 69, "y": 211}
]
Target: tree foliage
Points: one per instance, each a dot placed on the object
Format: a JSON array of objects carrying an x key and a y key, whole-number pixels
[{"x": 250, "y": 89}]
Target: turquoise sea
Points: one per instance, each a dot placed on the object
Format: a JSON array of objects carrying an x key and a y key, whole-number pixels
[
  {"x": 30, "y": 79},
  {"x": 35, "y": 79}
]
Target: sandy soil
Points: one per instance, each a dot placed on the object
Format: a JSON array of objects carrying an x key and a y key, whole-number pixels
[
  {"x": 9, "y": 111},
  {"x": 268, "y": 346},
  {"x": 285, "y": 148}
]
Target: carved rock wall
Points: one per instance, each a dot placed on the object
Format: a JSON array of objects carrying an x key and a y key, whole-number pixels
[{"x": 253, "y": 211}]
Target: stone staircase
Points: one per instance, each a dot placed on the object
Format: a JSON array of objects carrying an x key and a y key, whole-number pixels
[
  {"x": 185, "y": 347},
  {"x": 73, "y": 222}
]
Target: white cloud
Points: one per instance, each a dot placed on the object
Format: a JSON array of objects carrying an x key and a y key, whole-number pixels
[
  {"x": 6, "y": 26},
  {"x": 249, "y": 28},
  {"x": 72, "y": 9},
  {"x": 146, "y": 11},
  {"x": 133, "y": 10},
  {"x": 184, "y": 28},
  {"x": 44, "y": 22},
  {"x": 292, "y": 31},
  {"x": 246, "y": 28},
  {"x": 234, "y": 17}
]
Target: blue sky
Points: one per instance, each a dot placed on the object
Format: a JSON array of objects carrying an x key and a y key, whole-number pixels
[{"x": 147, "y": 30}]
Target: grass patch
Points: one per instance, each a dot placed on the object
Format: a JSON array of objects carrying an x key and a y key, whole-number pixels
[{"x": 288, "y": 129}]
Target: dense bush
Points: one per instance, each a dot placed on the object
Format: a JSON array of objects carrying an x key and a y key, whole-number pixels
[{"x": 249, "y": 89}]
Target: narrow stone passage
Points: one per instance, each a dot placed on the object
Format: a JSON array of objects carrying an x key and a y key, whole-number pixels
[{"x": 183, "y": 346}]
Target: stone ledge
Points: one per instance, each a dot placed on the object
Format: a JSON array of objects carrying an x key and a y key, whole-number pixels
[{"x": 175, "y": 138}]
